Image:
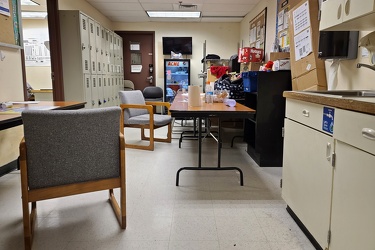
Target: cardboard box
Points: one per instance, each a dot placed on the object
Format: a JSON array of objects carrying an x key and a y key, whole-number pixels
[
  {"x": 313, "y": 80},
  {"x": 253, "y": 66},
  {"x": 247, "y": 54},
  {"x": 311, "y": 61},
  {"x": 279, "y": 55},
  {"x": 281, "y": 64}
]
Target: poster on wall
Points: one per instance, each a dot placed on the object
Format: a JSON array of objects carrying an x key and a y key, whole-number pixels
[{"x": 36, "y": 47}]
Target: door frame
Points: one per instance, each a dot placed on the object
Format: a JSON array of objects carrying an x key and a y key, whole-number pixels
[{"x": 123, "y": 33}]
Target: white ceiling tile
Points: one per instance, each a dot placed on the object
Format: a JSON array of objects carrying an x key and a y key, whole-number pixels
[{"x": 134, "y": 10}]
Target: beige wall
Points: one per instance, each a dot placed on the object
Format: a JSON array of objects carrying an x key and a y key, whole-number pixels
[
  {"x": 221, "y": 39},
  {"x": 11, "y": 87}
]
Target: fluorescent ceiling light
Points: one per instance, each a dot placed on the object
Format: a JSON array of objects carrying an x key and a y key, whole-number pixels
[
  {"x": 34, "y": 14},
  {"x": 174, "y": 14},
  {"x": 28, "y": 2}
]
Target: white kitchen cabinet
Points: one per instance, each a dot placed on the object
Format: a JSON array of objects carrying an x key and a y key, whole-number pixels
[
  {"x": 329, "y": 179},
  {"x": 353, "y": 199},
  {"x": 88, "y": 61},
  {"x": 307, "y": 169},
  {"x": 347, "y": 15}
]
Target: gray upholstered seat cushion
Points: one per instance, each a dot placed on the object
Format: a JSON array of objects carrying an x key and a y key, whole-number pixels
[
  {"x": 159, "y": 120},
  {"x": 71, "y": 146}
]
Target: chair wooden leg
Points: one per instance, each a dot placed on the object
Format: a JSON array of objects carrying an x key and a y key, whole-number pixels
[
  {"x": 120, "y": 212},
  {"x": 28, "y": 222}
]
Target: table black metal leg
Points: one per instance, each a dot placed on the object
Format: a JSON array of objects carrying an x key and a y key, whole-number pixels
[{"x": 218, "y": 168}]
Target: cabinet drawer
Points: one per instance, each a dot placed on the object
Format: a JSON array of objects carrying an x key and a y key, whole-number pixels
[
  {"x": 355, "y": 129},
  {"x": 309, "y": 114}
]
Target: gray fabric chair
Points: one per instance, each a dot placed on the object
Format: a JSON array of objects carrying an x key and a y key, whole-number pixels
[
  {"x": 68, "y": 152},
  {"x": 128, "y": 85},
  {"x": 140, "y": 114}
]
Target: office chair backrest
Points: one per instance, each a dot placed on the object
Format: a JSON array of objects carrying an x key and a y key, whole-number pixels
[
  {"x": 153, "y": 92},
  {"x": 70, "y": 146},
  {"x": 132, "y": 97}
]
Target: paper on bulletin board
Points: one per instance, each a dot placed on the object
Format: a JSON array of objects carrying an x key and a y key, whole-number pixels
[
  {"x": 4, "y": 7},
  {"x": 301, "y": 18},
  {"x": 135, "y": 68},
  {"x": 284, "y": 39},
  {"x": 302, "y": 44}
]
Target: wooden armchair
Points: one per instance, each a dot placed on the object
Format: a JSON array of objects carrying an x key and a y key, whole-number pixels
[
  {"x": 68, "y": 152},
  {"x": 138, "y": 113}
]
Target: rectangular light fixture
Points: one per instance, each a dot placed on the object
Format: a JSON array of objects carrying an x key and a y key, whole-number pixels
[
  {"x": 174, "y": 14},
  {"x": 34, "y": 14},
  {"x": 28, "y": 2}
]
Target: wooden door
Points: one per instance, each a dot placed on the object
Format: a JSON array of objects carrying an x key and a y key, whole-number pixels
[{"x": 139, "y": 59}]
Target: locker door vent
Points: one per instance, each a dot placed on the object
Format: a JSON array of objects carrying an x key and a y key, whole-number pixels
[
  {"x": 86, "y": 64},
  {"x": 84, "y": 24}
]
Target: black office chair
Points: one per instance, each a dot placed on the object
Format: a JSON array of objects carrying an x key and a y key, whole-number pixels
[{"x": 153, "y": 94}]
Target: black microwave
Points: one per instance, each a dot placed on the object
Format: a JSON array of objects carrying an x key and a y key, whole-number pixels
[{"x": 338, "y": 44}]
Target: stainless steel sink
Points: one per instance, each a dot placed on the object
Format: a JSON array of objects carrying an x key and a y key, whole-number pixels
[{"x": 346, "y": 93}]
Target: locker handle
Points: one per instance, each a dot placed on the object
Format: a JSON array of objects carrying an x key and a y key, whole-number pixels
[
  {"x": 305, "y": 113},
  {"x": 368, "y": 133},
  {"x": 83, "y": 46}
]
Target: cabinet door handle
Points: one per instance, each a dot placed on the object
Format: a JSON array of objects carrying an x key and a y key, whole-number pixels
[
  {"x": 328, "y": 151},
  {"x": 305, "y": 113},
  {"x": 347, "y": 7},
  {"x": 368, "y": 133}
]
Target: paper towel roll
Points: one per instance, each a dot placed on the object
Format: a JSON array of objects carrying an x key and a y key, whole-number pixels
[{"x": 194, "y": 97}]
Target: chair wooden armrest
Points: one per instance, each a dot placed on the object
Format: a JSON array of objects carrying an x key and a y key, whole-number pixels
[
  {"x": 149, "y": 108},
  {"x": 163, "y": 104}
]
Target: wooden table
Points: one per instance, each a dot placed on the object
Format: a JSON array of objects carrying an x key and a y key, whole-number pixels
[
  {"x": 13, "y": 118},
  {"x": 180, "y": 108}
]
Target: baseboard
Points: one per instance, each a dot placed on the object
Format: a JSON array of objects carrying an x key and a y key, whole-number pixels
[{"x": 7, "y": 168}]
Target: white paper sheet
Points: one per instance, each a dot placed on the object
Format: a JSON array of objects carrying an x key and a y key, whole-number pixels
[
  {"x": 301, "y": 18},
  {"x": 302, "y": 44}
]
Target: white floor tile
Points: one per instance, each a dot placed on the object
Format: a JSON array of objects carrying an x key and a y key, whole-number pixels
[{"x": 208, "y": 210}]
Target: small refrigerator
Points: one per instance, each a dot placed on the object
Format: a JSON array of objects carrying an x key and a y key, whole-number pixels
[{"x": 176, "y": 76}]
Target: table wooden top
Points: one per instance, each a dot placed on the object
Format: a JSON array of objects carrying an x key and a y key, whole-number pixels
[
  {"x": 13, "y": 118},
  {"x": 180, "y": 108}
]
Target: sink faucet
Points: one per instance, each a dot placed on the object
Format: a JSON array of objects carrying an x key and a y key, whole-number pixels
[{"x": 365, "y": 65}]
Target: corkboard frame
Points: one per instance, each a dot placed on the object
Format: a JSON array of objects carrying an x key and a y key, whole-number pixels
[
  {"x": 257, "y": 29},
  {"x": 10, "y": 35}
]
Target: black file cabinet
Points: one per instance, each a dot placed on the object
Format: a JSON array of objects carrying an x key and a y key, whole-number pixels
[{"x": 263, "y": 132}]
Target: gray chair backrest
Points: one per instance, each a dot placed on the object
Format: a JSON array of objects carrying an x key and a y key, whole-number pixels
[
  {"x": 71, "y": 146},
  {"x": 132, "y": 97},
  {"x": 128, "y": 85}
]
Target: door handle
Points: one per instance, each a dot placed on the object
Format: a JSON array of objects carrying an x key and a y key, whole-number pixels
[{"x": 328, "y": 151}]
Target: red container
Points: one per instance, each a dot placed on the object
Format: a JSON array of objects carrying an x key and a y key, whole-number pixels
[{"x": 247, "y": 54}]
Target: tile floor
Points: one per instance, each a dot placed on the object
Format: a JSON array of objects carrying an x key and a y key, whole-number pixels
[{"x": 209, "y": 210}]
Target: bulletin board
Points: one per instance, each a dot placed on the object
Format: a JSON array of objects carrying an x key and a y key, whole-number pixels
[
  {"x": 258, "y": 25},
  {"x": 282, "y": 29},
  {"x": 10, "y": 30}
]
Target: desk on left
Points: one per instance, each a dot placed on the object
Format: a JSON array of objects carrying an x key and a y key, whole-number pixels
[{"x": 12, "y": 119}]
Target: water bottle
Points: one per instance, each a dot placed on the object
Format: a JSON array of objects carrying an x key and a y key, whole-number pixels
[{"x": 209, "y": 93}]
